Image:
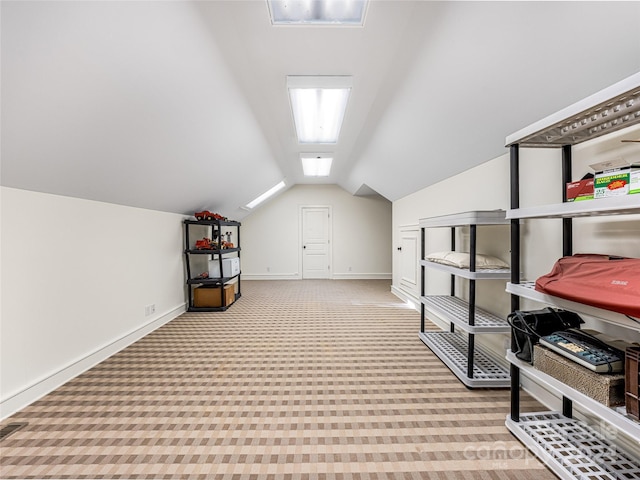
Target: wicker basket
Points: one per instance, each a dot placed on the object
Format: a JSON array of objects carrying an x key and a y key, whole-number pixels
[{"x": 606, "y": 388}]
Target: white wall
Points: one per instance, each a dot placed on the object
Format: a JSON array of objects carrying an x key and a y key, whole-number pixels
[
  {"x": 76, "y": 277},
  {"x": 361, "y": 235}
]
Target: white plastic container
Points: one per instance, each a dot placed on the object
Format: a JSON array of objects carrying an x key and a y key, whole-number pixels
[{"x": 230, "y": 267}]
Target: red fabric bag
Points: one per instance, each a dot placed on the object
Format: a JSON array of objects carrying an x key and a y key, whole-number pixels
[{"x": 611, "y": 283}]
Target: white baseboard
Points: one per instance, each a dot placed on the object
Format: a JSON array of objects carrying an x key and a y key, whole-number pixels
[
  {"x": 407, "y": 297},
  {"x": 25, "y": 397},
  {"x": 271, "y": 276},
  {"x": 361, "y": 276},
  {"x": 335, "y": 276}
]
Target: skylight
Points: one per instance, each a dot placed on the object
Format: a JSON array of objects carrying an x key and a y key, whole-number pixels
[
  {"x": 318, "y": 105},
  {"x": 316, "y": 165},
  {"x": 269, "y": 193},
  {"x": 317, "y": 12}
]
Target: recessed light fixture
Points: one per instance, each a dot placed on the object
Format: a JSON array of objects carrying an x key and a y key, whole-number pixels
[
  {"x": 316, "y": 165},
  {"x": 318, "y": 105},
  {"x": 269, "y": 193},
  {"x": 317, "y": 12}
]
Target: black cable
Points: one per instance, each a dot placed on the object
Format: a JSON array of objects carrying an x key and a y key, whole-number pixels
[{"x": 634, "y": 319}]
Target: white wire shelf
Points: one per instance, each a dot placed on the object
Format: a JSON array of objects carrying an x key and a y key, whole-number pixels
[
  {"x": 618, "y": 420},
  {"x": 623, "y": 205},
  {"x": 456, "y": 311},
  {"x": 484, "y": 274},
  {"x": 527, "y": 290},
  {"x": 608, "y": 110},
  {"x": 452, "y": 348},
  {"x": 477, "y": 217},
  {"x": 573, "y": 449}
]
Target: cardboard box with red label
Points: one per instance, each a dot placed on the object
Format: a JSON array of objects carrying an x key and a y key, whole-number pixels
[{"x": 580, "y": 190}]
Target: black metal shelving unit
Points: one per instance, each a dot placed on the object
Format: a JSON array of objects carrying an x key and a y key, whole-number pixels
[
  {"x": 572, "y": 448},
  {"x": 473, "y": 365},
  {"x": 216, "y": 233}
]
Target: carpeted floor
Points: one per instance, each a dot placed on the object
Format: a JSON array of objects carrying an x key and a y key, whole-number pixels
[{"x": 298, "y": 379}]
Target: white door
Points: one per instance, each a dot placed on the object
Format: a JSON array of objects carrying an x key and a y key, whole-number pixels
[
  {"x": 409, "y": 259},
  {"x": 315, "y": 242}
]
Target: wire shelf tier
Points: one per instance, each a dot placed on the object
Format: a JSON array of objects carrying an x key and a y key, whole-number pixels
[
  {"x": 452, "y": 347},
  {"x": 456, "y": 310},
  {"x": 528, "y": 290},
  {"x": 477, "y": 217},
  {"x": 613, "y": 416},
  {"x": 622, "y": 205},
  {"x": 573, "y": 449},
  {"x": 484, "y": 274},
  {"x": 611, "y": 109}
]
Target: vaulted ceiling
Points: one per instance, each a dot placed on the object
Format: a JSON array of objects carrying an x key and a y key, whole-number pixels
[{"x": 179, "y": 106}]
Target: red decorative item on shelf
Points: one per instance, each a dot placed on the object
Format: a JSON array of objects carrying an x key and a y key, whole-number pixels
[
  {"x": 204, "y": 215},
  {"x": 207, "y": 215},
  {"x": 206, "y": 244}
]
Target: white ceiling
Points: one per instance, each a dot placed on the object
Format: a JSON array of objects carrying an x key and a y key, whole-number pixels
[{"x": 179, "y": 106}]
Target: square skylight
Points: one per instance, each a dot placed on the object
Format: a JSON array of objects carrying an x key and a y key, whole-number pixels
[
  {"x": 318, "y": 105},
  {"x": 316, "y": 165},
  {"x": 317, "y": 12}
]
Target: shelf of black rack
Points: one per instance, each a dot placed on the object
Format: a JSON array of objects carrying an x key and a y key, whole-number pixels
[
  {"x": 222, "y": 223},
  {"x": 614, "y": 416},
  {"x": 212, "y": 252},
  {"x": 623, "y": 205},
  {"x": 456, "y": 310},
  {"x": 480, "y": 274},
  {"x": 606, "y": 111},
  {"x": 573, "y": 449},
  {"x": 210, "y": 281},
  {"x": 452, "y": 348},
  {"x": 527, "y": 289},
  {"x": 213, "y": 309}
]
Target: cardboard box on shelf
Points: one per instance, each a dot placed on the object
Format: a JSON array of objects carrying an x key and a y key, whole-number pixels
[
  {"x": 580, "y": 190},
  {"x": 205, "y": 296},
  {"x": 615, "y": 178}
]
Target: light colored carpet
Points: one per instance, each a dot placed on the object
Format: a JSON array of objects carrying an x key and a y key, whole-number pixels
[{"x": 298, "y": 379}]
